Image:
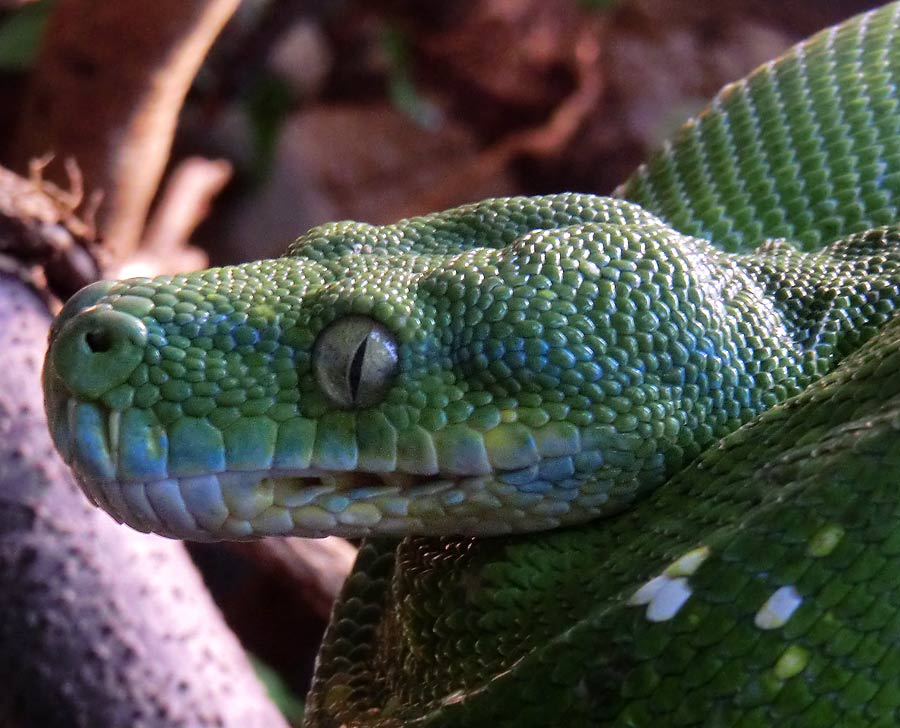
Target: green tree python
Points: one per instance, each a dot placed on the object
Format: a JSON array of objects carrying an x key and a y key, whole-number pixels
[{"x": 628, "y": 461}]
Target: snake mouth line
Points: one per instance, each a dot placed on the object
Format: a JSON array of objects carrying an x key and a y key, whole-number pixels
[
  {"x": 218, "y": 503},
  {"x": 252, "y": 505}
]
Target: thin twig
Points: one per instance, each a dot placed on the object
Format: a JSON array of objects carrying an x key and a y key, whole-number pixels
[{"x": 185, "y": 202}]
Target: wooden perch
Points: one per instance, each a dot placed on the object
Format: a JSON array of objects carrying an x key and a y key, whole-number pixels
[
  {"x": 107, "y": 88},
  {"x": 99, "y": 625},
  {"x": 314, "y": 570}
]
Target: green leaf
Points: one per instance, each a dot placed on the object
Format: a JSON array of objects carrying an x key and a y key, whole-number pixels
[{"x": 285, "y": 699}]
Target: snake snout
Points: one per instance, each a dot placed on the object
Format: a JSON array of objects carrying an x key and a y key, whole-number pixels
[{"x": 94, "y": 347}]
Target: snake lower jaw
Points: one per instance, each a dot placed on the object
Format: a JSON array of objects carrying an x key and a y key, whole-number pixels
[
  {"x": 238, "y": 506},
  {"x": 136, "y": 487},
  {"x": 249, "y": 505}
]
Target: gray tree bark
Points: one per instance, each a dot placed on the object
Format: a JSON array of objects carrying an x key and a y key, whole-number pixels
[{"x": 100, "y": 626}]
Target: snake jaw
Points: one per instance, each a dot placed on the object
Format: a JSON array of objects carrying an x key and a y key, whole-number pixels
[
  {"x": 134, "y": 480},
  {"x": 311, "y": 502}
]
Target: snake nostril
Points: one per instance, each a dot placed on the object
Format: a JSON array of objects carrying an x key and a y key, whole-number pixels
[
  {"x": 97, "y": 349},
  {"x": 84, "y": 299},
  {"x": 98, "y": 341}
]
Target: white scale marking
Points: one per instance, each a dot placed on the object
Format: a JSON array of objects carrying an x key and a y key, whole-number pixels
[
  {"x": 667, "y": 601},
  {"x": 778, "y": 608},
  {"x": 667, "y": 593}
]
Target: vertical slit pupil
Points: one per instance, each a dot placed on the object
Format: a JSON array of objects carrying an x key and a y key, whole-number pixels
[{"x": 354, "y": 378}]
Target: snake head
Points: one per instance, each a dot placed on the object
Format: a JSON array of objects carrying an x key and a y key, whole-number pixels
[{"x": 508, "y": 366}]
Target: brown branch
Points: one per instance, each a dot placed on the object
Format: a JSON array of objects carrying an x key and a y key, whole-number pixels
[
  {"x": 99, "y": 625},
  {"x": 107, "y": 89},
  {"x": 184, "y": 203},
  {"x": 38, "y": 227},
  {"x": 313, "y": 569}
]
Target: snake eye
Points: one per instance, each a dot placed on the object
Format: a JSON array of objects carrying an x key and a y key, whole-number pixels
[{"x": 355, "y": 360}]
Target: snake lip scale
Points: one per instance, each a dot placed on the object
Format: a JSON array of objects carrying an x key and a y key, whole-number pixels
[
  {"x": 316, "y": 501},
  {"x": 253, "y": 504}
]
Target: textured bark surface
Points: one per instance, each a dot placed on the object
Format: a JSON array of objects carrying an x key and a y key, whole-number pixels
[
  {"x": 100, "y": 626},
  {"x": 106, "y": 90}
]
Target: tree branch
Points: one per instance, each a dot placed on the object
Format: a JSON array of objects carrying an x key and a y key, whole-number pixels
[
  {"x": 99, "y": 625},
  {"x": 107, "y": 89}
]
